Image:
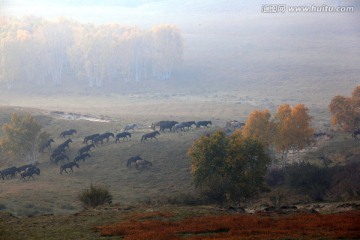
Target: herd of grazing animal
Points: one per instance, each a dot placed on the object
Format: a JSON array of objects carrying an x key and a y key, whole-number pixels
[
  {"x": 59, "y": 154},
  {"x": 25, "y": 172}
]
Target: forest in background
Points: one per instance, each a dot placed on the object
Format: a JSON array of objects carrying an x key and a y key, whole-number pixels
[
  {"x": 230, "y": 52},
  {"x": 41, "y": 52}
]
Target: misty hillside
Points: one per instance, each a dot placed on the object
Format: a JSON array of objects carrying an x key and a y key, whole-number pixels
[{"x": 231, "y": 46}]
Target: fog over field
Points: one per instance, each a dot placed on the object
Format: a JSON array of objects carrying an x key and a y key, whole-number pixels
[
  {"x": 232, "y": 47},
  {"x": 98, "y": 66}
]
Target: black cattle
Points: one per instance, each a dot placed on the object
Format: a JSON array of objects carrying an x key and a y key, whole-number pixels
[
  {"x": 68, "y": 165},
  {"x": 68, "y": 132},
  {"x": 203, "y": 123},
  {"x": 81, "y": 157},
  {"x": 122, "y": 135},
  {"x": 90, "y": 138}
]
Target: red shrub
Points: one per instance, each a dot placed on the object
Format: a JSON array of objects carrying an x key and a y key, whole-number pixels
[{"x": 301, "y": 225}]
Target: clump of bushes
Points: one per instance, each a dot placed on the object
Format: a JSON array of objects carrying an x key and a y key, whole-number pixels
[
  {"x": 95, "y": 196},
  {"x": 275, "y": 177},
  {"x": 312, "y": 180}
]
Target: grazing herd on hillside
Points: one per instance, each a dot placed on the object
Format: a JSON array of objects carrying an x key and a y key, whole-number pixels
[{"x": 59, "y": 154}]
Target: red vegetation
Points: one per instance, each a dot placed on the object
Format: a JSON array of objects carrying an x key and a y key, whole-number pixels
[{"x": 260, "y": 226}]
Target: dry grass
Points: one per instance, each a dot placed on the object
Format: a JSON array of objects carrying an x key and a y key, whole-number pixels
[
  {"x": 52, "y": 193},
  {"x": 57, "y": 194}
]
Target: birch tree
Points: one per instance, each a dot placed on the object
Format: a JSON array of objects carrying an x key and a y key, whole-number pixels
[
  {"x": 57, "y": 36},
  {"x": 168, "y": 49},
  {"x": 294, "y": 131},
  {"x": 12, "y": 59}
]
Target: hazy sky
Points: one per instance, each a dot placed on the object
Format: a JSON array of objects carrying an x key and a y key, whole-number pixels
[{"x": 141, "y": 11}]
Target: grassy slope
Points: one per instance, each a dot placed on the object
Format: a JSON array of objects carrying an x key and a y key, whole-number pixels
[{"x": 55, "y": 193}]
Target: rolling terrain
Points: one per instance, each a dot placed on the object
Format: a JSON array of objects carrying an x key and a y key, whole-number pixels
[{"x": 51, "y": 200}]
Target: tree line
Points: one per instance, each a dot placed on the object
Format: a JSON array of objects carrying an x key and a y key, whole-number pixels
[{"x": 42, "y": 52}]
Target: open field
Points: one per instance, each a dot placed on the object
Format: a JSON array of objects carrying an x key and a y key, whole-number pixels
[
  {"x": 48, "y": 207},
  {"x": 168, "y": 178}
]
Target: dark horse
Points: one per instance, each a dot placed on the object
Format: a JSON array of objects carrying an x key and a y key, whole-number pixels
[
  {"x": 132, "y": 160},
  {"x": 81, "y": 157},
  {"x": 90, "y": 138},
  {"x": 355, "y": 133},
  {"x": 8, "y": 173},
  {"x": 65, "y": 144},
  {"x": 167, "y": 125},
  {"x": 29, "y": 172},
  {"x": 68, "y": 132},
  {"x": 45, "y": 145},
  {"x": 103, "y": 136},
  {"x": 203, "y": 123},
  {"x": 122, "y": 135},
  {"x": 107, "y": 135},
  {"x": 142, "y": 163},
  {"x": 60, "y": 157},
  {"x": 156, "y": 124},
  {"x": 150, "y": 135},
  {"x": 86, "y": 149},
  {"x": 68, "y": 165}
]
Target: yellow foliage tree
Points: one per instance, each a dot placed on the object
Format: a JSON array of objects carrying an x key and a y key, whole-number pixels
[
  {"x": 293, "y": 129},
  {"x": 260, "y": 127},
  {"x": 345, "y": 111}
]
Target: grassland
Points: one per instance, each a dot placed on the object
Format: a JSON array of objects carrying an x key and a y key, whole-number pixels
[{"x": 48, "y": 207}]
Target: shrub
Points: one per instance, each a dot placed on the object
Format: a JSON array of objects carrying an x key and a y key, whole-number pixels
[
  {"x": 309, "y": 179},
  {"x": 95, "y": 196},
  {"x": 275, "y": 177},
  {"x": 2, "y": 206}
]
